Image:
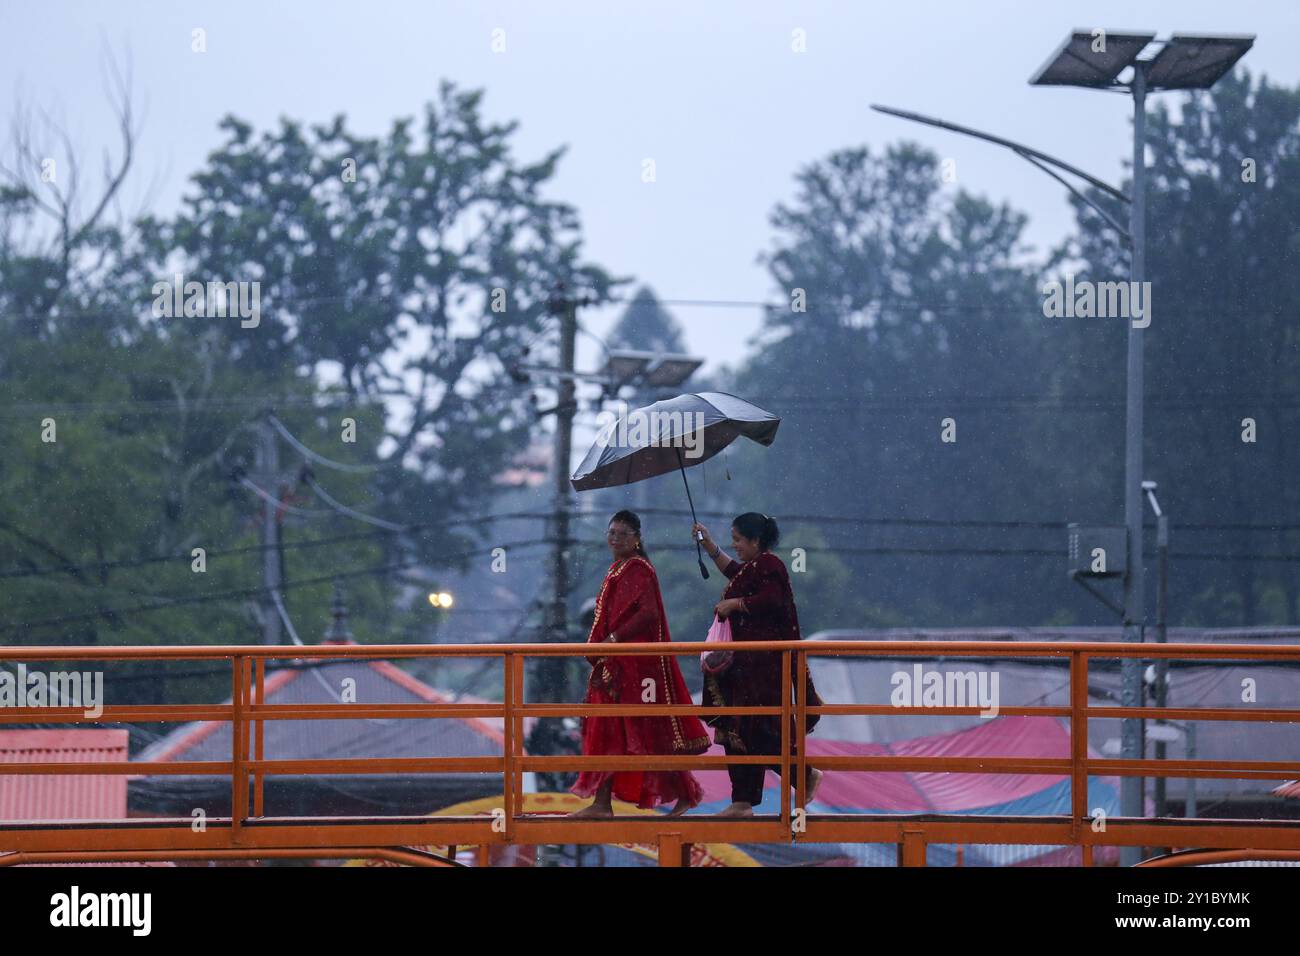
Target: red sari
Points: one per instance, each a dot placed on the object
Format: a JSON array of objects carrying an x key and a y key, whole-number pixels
[{"x": 630, "y": 604}]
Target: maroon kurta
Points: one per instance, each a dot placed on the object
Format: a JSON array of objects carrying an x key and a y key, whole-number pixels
[{"x": 754, "y": 679}]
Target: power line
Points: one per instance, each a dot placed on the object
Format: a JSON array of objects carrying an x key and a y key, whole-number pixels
[
  {"x": 319, "y": 458},
  {"x": 278, "y": 503},
  {"x": 256, "y": 591},
  {"x": 1011, "y": 552},
  {"x": 814, "y": 304},
  {"x": 1281, "y": 400},
  {"x": 857, "y": 520},
  {"x": 344, "y": 510},
  {"x": 142, "y": 406},
  {"x": 930, "y": 552},
  {"x": 146, "y": 406},
  {"x": 98, "y": 566},
  {"x": 284, "y": 616},
  {"x": 952, "y": 523}
]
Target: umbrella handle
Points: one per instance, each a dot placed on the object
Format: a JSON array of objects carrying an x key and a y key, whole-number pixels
[{"x": 699, "y": 557}]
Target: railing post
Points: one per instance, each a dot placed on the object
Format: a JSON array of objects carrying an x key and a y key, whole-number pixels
[
  {"x": 259, "y": 744},
  {"x": 911, "y": 849},
  {"x": 510, "y": 733},
  {"x": 517, "y": 696},
  {"x": 801, "y": 730},
  {"x": 785, "y": 739},
  {"x": 1078, "y": 742},
  {"x": 672, "y": 851},
  {"x": 238, "y": 773}
]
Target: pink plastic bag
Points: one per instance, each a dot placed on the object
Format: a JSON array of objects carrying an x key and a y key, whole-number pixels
[{"x": 717, "y": 660}]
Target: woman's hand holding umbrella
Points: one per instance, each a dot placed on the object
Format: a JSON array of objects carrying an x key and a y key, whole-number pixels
[
  {"x": 701, "y": 534},
  {"x": 700, "y": 537}
]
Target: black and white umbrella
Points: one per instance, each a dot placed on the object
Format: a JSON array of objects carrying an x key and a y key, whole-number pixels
[{"x": 671, "y": 436}]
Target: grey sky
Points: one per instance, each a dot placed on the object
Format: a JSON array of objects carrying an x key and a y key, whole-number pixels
[{"x": 711, "y": 91}]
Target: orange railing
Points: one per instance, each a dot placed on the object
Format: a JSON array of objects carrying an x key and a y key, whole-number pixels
[{"x": 248, "y": 831}]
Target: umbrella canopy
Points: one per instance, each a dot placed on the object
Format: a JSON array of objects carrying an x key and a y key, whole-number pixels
[{"x": 669, "y": 435}]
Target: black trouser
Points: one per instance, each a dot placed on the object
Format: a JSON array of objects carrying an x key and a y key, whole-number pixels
[{"x": 747, "y": 778}]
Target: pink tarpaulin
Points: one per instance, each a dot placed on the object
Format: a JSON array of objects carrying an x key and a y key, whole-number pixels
[{"x": 907, "y": 792}]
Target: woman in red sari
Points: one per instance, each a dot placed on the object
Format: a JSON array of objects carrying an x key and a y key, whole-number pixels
[{"x": 629, "y": 609}]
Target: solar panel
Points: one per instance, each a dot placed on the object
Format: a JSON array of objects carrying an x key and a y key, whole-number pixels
[
  {"x": 1191, "y": 62},
  {"x": 672, "y": 370},
  {"x": 1088, "y": 60},
  {"x": 625, "y": 364}
]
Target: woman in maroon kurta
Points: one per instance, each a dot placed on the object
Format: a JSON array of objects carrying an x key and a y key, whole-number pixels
[
  {"x": 630, "y": 609},
  {"x": 759, "y": 603}
]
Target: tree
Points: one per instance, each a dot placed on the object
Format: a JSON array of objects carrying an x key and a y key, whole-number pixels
[
  {"x": 394, "y": 298},
  {"x": 1223, "y": 202},
  {"x": 924, "y": 316},
  {"x": 911, "y": 309},
  {"x": 411, "y": 268},
  {"x": 646, "y": 326}
]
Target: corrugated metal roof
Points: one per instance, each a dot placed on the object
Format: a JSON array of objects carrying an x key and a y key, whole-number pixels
[
  {"x": 375, "y": 682},
  {"x": 62, "y": 797}
]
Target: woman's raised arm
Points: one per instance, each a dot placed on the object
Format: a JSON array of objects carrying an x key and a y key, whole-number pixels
[{"x": 725, "y": 563}]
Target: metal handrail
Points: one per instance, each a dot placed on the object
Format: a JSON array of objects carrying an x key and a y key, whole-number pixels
[{"x": 248, "y": 766}]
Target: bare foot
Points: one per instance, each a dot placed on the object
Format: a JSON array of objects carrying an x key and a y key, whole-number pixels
[
  {"x": 814, "y": 781},
  {"x": 738, "y": 810},
  {"x": 596, "y": 811}
]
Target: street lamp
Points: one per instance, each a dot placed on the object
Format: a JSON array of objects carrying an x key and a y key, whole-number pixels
[
  {"x": 1095, "y": 59},
  {"x": 1099, "y": 59},
  {"x": 652, "y": 369}
]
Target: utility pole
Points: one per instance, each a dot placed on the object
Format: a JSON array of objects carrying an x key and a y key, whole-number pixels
[
  {"x": 268, "y": 468},
  {"x": 552, "y": 673},
  {"x": 564, "y": 413}
]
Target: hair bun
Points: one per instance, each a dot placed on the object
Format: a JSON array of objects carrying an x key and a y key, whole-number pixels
[{"x": 757, "y": 526}]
